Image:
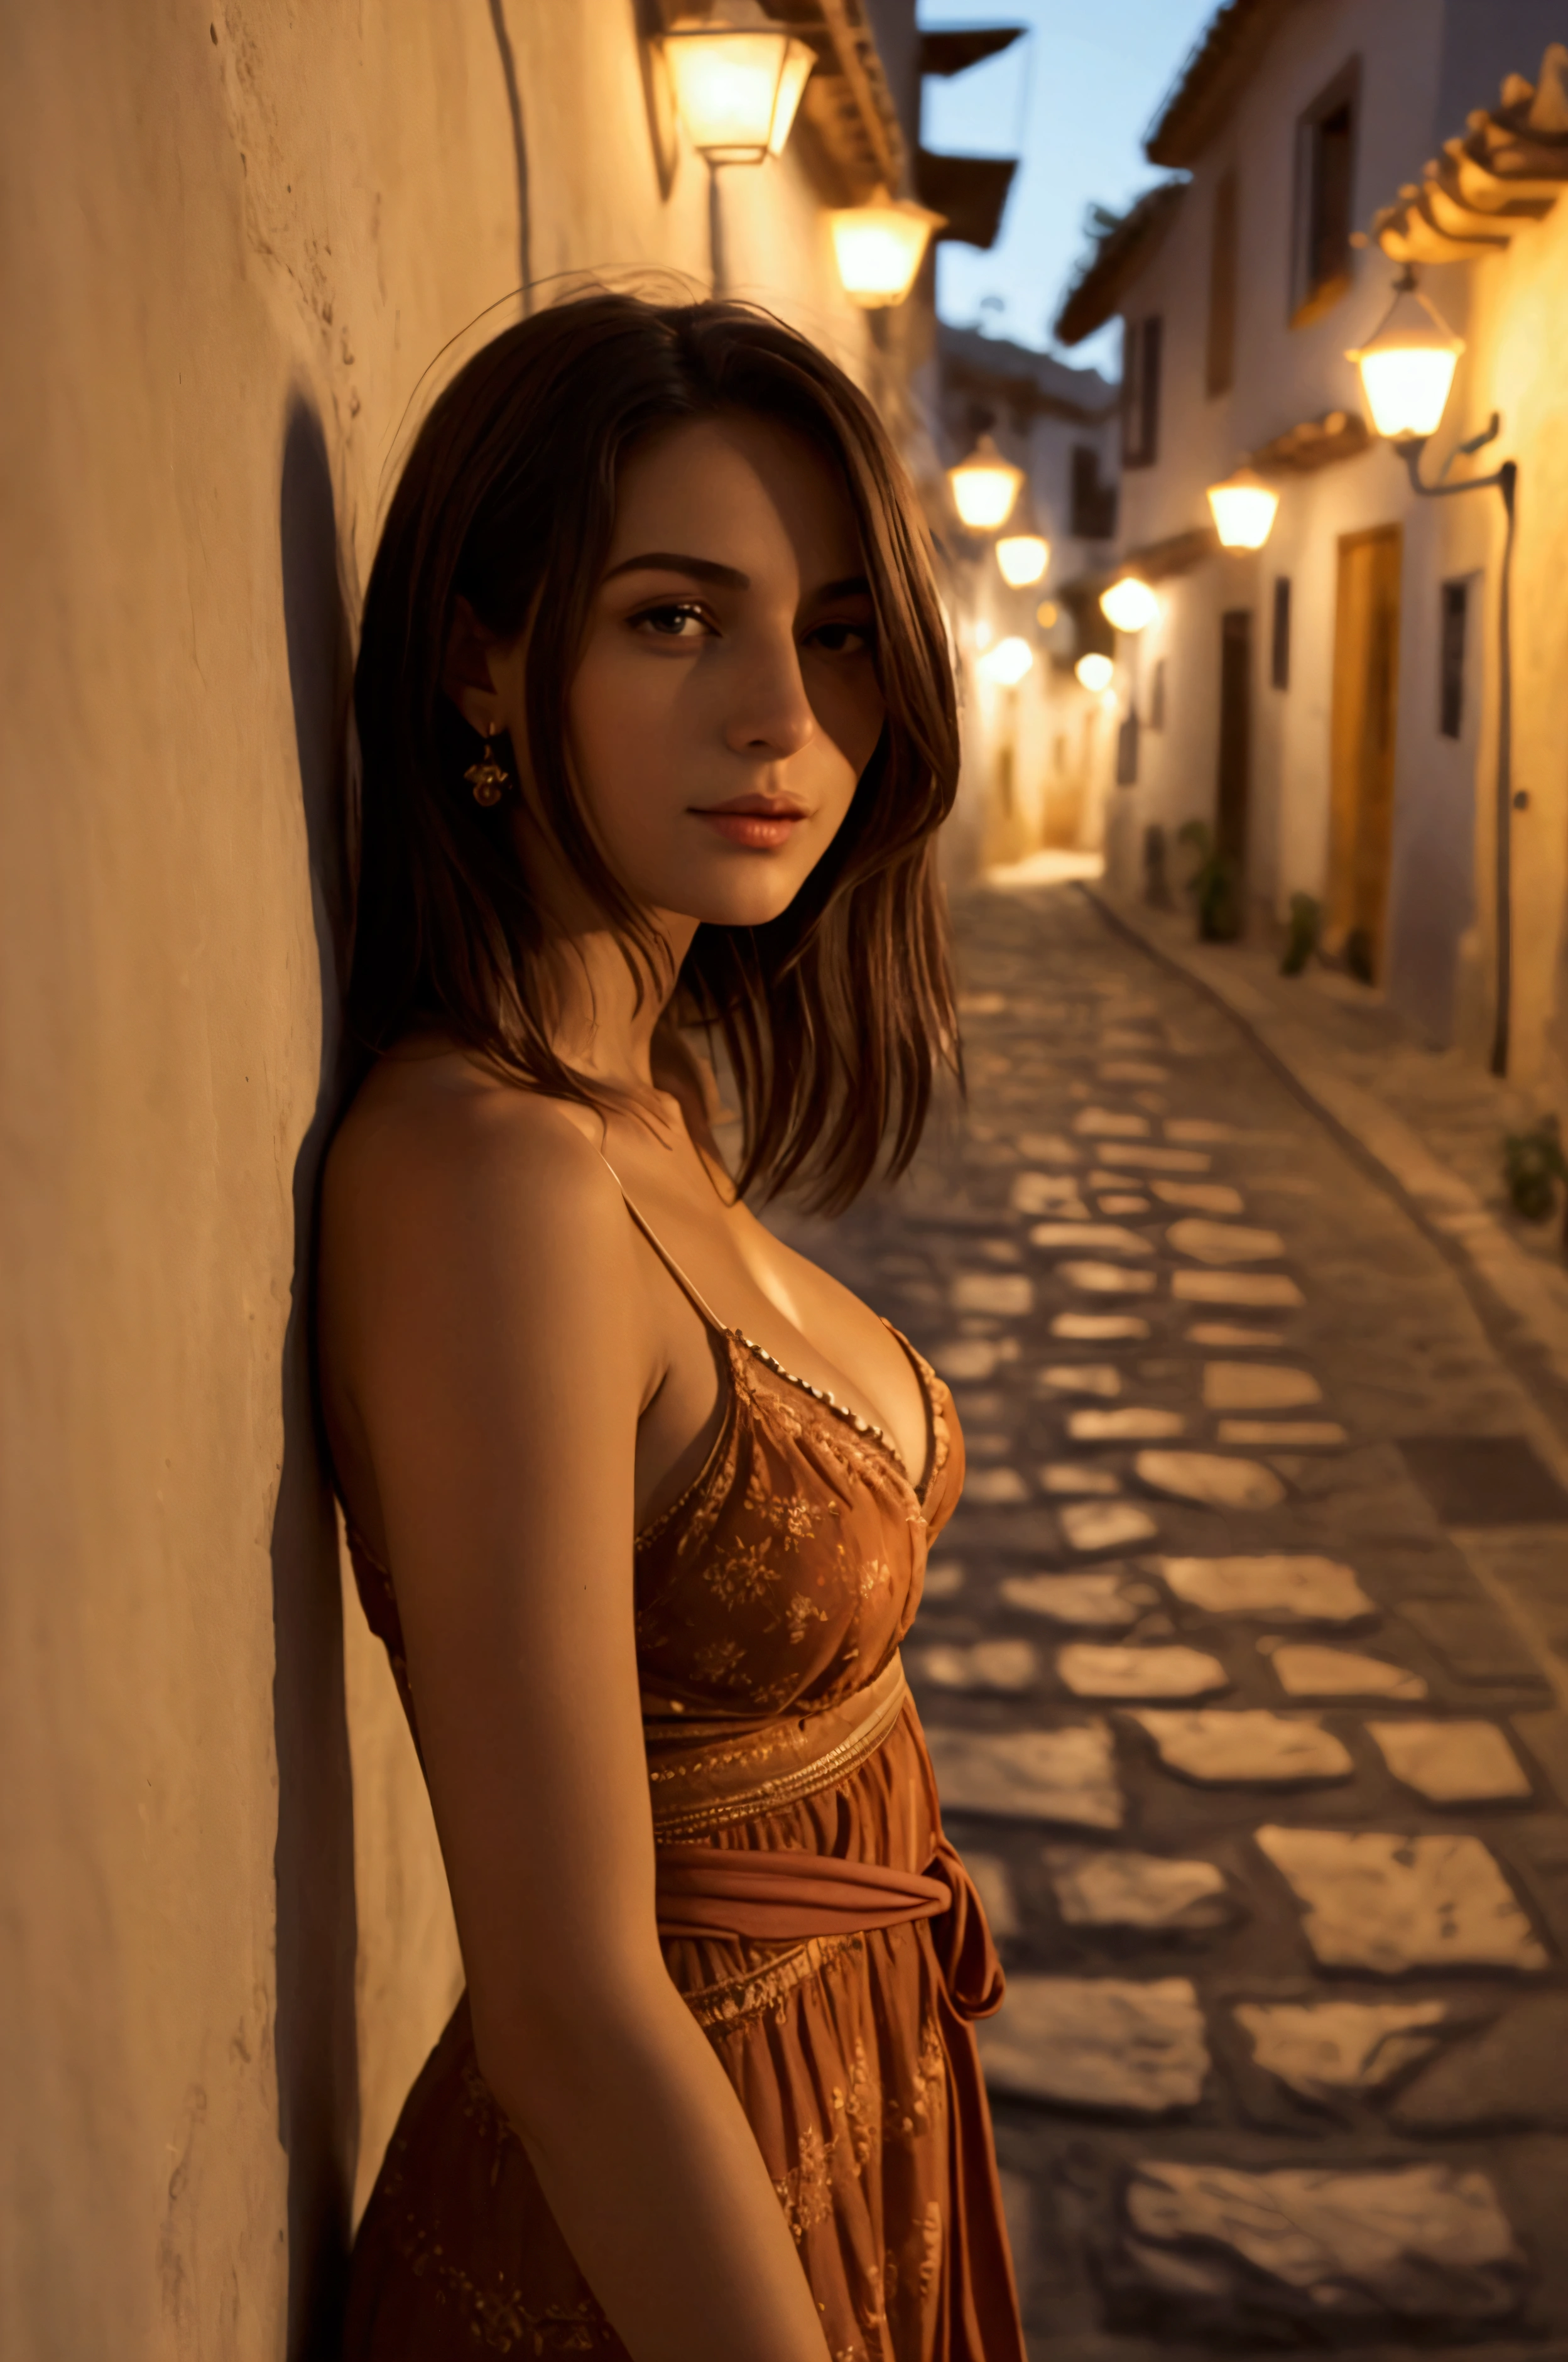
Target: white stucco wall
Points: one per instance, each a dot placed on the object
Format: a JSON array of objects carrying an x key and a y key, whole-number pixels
[
  {"x": 235, "y": 238},
  {"x": 1512, "y": 312}
]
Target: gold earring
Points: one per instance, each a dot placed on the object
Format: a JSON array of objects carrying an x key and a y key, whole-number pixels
[{"x": 488, "y": 778}]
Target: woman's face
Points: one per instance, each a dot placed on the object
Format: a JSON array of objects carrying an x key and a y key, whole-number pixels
[{"x": 727, "y": 699}]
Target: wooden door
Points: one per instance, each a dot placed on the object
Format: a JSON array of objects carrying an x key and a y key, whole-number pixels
[
  {"x": 1234, "y": 787},
  {"x": 1366, "y": 682}
]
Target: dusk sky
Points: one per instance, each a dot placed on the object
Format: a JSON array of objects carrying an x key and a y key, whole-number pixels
[{"x": 1074, "y": 100}]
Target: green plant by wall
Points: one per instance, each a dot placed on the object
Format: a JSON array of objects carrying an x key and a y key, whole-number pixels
[
  {"x": 1301, "y": 942},
  {"x": 1533, "y": 1165},
  {"x": 1215, "y": 885}
]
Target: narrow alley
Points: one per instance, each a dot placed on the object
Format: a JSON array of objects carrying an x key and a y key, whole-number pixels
[{"x": 1238, "y": 1666}]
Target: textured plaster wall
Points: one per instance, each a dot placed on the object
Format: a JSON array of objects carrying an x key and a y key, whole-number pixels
[{"x": 235, "y": 235}]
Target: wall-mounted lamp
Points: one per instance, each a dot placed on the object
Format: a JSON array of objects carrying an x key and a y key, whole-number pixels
[
  {"x": 880, "y": 247},
  {"x": 1007, "y": 662},
  {"x": 1023, "y": 557},
  {"x": 1407, "y": 366},
  {"x": 1129, "y": 605},
  {"x": 738, "y": 79},
  {"x": 1408, "y": 371},
  {"x": 984, "y": 487},
  {"x": 1095, "y": 673},
  {"x": 1243, "y": 507}
]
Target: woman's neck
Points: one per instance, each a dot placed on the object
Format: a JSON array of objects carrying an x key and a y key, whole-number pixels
[{"x": 602, "y": 1025}]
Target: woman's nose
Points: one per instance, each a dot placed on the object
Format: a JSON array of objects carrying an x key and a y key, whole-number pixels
[{"x": 770, "y": 713}]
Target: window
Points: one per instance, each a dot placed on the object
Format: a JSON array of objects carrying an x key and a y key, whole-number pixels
[
  {"x": 1279, "y": 641},
  {"x": 1157, "y": 696},
  {"x": 1126, "y": 750},
  {"x": 1141, "y": 393},
  {"x": 1455, "y": 597},
  {"x": 1093, "y": 504},
  {"x": 1220, "y": 366},
  {"x": 1325, "y": 196}
]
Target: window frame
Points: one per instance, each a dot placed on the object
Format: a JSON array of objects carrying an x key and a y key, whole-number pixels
[
  {"x": 1141, "y": 368},
  {"x": 1224, "y": 234},
  {"x": 1312, "y": 297},
  {"x": 1279, "y": 634},
  {"x": 1454, "y": 601}
]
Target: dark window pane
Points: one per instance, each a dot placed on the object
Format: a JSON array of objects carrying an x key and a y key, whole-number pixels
[
  {"x": 1157, "y": 696},
  {"x": 1279, "y": 646},
  {"x": 1093, "y": 504},
  {"x": 1333, "y": 167},
  {"x": 1450, "y": 690},
  {"x": 1141, "y": 393}
]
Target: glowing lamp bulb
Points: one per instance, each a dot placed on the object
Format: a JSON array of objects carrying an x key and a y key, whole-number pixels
[
  {"x": 1023, "y": 557},
  {"x": 984, "y": 487},
  {"x": 1407, "y": 368},
  {"x": 737, "y": 85},
  {"x": 1095, "y": 672},
  {"x": 1128, "y": 604},
  {"x": 1243, "y": 507},
  {"x": 1007, "y": 662},
  {"x": 880, "y": 248}
]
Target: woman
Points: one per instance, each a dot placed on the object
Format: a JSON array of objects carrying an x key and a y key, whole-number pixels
[{"x": 657, "y": 723}]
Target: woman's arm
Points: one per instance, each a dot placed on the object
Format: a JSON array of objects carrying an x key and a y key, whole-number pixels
[{"x": 487, "y": 1318}]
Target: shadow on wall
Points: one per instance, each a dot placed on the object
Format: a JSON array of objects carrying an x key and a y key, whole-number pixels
[{"x": 316, "y": 1934}]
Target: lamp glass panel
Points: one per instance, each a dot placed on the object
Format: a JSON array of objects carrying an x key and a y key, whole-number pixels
[
  {"x": 1406, "y": 386},
  {"x": 1128, "y": 604},
  {"x": 798, "y": 60},
  {"x": 879, "y": 249},
  {"x": 984, "y": 492},
  {"x": 1243, "y": 514},
  {"x": 1007, "y": 663},
  {"x": 1095, "y": 672},
  {"x": 727, "y": 88},
  {"x": 1023, "y": 557}
]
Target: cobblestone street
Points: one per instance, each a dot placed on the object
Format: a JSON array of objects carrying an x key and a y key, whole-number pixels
[{"x": 1243, "y": 1665}]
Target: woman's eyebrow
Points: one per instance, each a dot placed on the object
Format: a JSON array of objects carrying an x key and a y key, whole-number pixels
[
  {"x": 852, "y": 586},
  {"x": 667, "y": 561}
]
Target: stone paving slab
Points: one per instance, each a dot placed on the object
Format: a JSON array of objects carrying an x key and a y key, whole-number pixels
[{"x": 1386, "y": 1930}]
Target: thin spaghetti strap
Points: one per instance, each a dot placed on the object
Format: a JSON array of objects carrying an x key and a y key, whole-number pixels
[{"x": 689, "y": 1288}]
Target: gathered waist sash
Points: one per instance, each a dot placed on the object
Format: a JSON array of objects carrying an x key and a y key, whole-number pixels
[{"x": 709, "y": 1775}]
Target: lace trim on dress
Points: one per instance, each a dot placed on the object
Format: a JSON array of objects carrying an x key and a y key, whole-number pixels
[{"x": 723, "y": 2008}]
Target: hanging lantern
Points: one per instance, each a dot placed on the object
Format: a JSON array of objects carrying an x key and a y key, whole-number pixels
[
  {"x": 1023, "y": 557},
  {"x": 984, "y": 487},
  {"x": 1095, "y": 672},
  {"x": 738, "y": 80},
  {"x": 1128, "y": 604},
  {"x": 1407, "y": 368},
  {"x": 1244, "y": 508},
  {"x": 880, "y": 247},
  {"x": 1007, "y": 662}
]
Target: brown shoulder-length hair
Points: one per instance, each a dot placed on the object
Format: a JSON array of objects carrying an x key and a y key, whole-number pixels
[{"x": 835, "y": 1016}]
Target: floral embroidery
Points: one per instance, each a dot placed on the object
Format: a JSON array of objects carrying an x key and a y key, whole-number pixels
[
  {"x": 718, "y": 1659},
  {"x": 742, "y": 1575},
  {"x": 799, "y": 1615}
]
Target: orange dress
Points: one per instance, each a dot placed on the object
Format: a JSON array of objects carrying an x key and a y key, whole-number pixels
[{"x": 790, "y": 1775}]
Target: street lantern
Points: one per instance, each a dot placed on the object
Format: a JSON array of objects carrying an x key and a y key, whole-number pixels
[
  {"x": 1407, "y": 368},
  {"x": 984, "y": 487},
  {"x": 1095, "y": 672},
  {"x": 1023, "y": 557},
  {"x": 1007, "y": 662},
  {"x": 738, "y": 80},
  {"x": 1130, "y": 605},
  {"x": 1243, "y": 507},
  {"x": 880, "y": 247}
]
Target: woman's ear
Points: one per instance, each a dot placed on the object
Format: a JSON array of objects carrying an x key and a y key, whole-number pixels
[{"x": 467, "y": 676}]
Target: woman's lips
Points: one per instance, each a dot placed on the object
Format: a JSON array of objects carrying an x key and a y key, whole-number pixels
[{"x": 762, "y": 830}]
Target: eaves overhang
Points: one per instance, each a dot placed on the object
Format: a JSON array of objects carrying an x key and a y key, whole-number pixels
[
  {"x": 1213, "y": 76},
  {"x": 1119, "y": 254},
  {"x": 1509, "y": 169}
]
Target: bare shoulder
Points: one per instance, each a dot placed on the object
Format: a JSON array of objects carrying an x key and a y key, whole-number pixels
[{"x": 439, "y": 1164}]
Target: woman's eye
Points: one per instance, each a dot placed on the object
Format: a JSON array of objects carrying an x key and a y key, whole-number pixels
[
  {"x": 678, "y": 621},
  {"x": 841, "y": 639}
]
